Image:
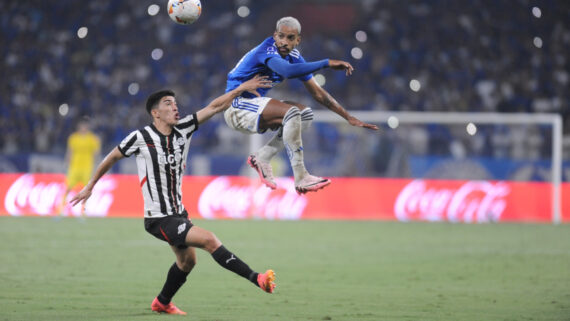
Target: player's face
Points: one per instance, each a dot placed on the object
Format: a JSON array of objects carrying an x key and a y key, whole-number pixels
[
  {"x": 167, "y": 110},
  {"x": 83, "y": 127},
  {"x": 286, "y": 39}
]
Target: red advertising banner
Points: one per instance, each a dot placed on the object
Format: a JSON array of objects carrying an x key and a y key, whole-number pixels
[{"x": 232, "y": 197}]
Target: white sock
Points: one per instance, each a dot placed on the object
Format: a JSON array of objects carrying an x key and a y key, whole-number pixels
[
  {"x": 293, "y": 143},
  {"x": 273, "y": 146},
  {"x": 306, "y": 118}
]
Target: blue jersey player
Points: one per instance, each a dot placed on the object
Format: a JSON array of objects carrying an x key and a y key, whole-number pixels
[{"x": 277, "y": 58}]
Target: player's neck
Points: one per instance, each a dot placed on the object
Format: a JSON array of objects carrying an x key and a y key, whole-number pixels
[{"x": 162, "y": 127}]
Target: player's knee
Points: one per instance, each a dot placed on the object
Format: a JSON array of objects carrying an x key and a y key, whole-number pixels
[
  {"x": 211, "y": 242},
  {"x": 187, "y": 263},
  {"x": 293, "y": 114}
]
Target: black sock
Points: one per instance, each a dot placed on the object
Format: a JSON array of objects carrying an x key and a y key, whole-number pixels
[
  {"x": 231, "y": 262},
  {"x": 174, "y": 280}
]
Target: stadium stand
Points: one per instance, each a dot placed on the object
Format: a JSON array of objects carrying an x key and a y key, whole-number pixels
[{"x": 468, "y": 56}]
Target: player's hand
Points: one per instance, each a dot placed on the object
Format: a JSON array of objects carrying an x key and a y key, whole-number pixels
[
  {"x": 82, "y": 197},
  {"x": 341, "y": 65},
  {"x": 256, "y": 82},
  {"x": 358, "y": 123}
]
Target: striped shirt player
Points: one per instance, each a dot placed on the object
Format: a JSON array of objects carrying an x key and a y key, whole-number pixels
[
  {"x": 161, "y": 163},
  {"x": 161, "y": 150},
  {"x": 278, "y": 58}
]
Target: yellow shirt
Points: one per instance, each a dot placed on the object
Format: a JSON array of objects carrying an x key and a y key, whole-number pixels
[{"x": 82, "y": 149}]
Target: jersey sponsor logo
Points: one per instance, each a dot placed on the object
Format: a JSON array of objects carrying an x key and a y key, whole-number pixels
[
  {"x": 170, "y": 159},
  {"x": 181, "y": 228}
]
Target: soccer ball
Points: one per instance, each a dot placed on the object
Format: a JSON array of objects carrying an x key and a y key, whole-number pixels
[{"x": 184, "y": 12}]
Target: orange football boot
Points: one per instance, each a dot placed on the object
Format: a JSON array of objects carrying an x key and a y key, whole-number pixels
[
  {"x": 169, "y": 308},
  {"x": 266, "y": 281}
]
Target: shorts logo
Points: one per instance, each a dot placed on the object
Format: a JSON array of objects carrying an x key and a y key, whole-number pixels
[{"x": 181, "y": 228}]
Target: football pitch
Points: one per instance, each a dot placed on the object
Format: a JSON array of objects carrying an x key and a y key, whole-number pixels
[{"x": 111, "y": 269}]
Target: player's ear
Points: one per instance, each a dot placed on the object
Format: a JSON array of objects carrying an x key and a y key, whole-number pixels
[{"x": 154, "y": 113}]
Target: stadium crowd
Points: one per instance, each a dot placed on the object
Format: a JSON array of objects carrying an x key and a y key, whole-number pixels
[{"x": 492, "y": 56}]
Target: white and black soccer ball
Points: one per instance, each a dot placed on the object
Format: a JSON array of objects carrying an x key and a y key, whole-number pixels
[{"x": 184, "y": 12}]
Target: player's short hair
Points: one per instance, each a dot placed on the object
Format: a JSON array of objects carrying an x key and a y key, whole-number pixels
[
  {"x": 154, "y": 98},
  {"x": 84, "y": 120},
  {"x": 289, "y": 22}
]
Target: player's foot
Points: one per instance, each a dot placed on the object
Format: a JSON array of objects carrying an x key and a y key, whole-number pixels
[
  {"x": 266, "y": 281},
  {"x": 169, "y": 308},
  {"x": 311, "y": 184},
  {"x": 264, "y": 170}
]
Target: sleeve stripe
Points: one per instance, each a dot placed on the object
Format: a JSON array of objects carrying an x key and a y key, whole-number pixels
[
  {"x": 127, "y": 148},
  {"x": 187, "y": 124}
]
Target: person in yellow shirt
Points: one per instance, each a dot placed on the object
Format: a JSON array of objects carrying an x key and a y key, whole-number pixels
[{"x": 82, "y": 149}]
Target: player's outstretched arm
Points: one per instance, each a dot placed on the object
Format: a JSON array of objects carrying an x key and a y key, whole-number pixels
[
  {"x": 103, "y": 168},
  {"x": 289, "y": 70},
  {"x": 324, "y": 98},
  {"x": 341, "y": 65},
  {"x": 224, "y": 101}
]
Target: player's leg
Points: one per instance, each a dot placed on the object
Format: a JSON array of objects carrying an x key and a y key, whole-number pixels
[
  {"x": 185, "y": 262},
  {"x": 173, "y": 229},
  {"x": 262, "y": 113},
  {"x": 83, "y": 178},
  {"x": 245, "y": 115},
  {"x": 290, "y": 117},
  {"x": 260, "y": 161},
  {"x": 61, "y": 206},
  {"x": 71, "y": 180},
  {"x": 275, "y": 144},
  {"x": 176, "y": 277},
  {"x": 309, "y": 182},
  {"x": 277, "y": 114},
  {"x": 306, "y": 114},
  {"x": 206, "y": 240}
]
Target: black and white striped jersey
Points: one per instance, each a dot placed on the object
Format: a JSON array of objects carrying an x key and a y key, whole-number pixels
[{"x": 161, "y": 162}]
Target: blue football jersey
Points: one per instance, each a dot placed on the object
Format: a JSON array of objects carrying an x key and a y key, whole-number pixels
[{"x": 254, "y": 62}]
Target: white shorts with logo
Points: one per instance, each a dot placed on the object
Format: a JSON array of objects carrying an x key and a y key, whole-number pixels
[{"x": 244, "y": 113}]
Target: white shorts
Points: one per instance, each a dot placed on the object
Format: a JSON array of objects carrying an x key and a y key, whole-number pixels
[{"x": 243, "y": 115}]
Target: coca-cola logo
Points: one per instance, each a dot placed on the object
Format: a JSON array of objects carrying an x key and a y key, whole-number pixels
[
  {"x": 26, "y": 196},
  {"x": 473, "y": 201},
  {"x": 222, "y": 199}
]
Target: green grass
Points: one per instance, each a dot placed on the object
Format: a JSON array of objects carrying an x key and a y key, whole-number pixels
[{"x": 111, "y": 269}]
